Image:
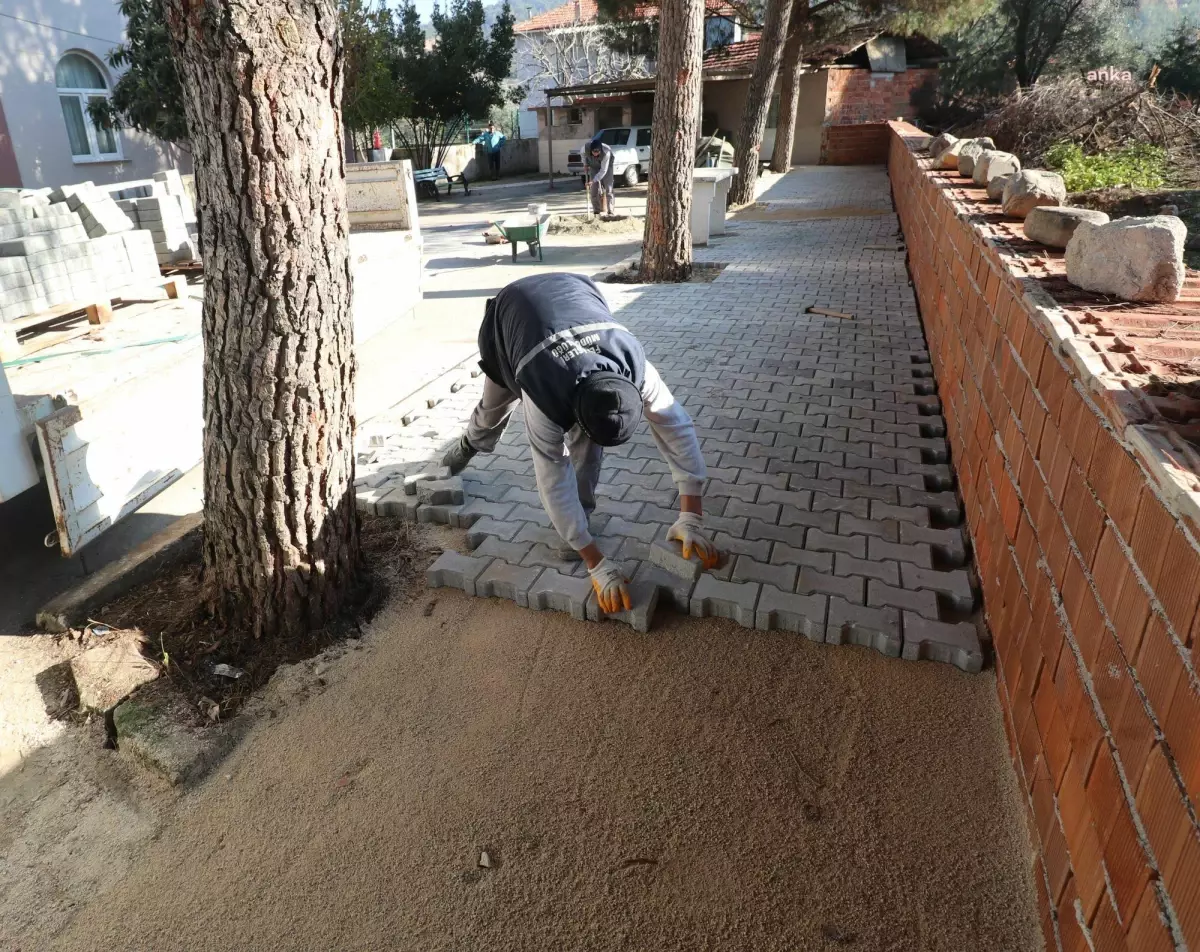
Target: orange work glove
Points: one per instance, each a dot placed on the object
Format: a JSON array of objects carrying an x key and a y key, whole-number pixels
[
  {"x": 612, "y": 588},
  {"x": 687, "y": 531}
]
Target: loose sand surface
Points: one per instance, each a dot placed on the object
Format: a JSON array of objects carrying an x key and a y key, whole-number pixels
[{"x": 703, "y": 786}]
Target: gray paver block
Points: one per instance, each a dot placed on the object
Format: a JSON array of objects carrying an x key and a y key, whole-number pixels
[
  {"x": 455, "y": 570},
  {"x": 735, "y": 600},
  {"x": 877, "y": 628},
  {"x": 438, "y": 473},
  {"x": 511, "y": 552},
  {"x": 884, "y": 571},
  {"x": 811, "y": 582},
  {"x": 880, "y": 595},
  {"x": 504, "y": 580},
  {"x": 820, "y": 541},
  {"x": 918, "y": 553},
  {"x": 547, "y": 556},
  {"x": 751, "y": 570},
  {"x": 669, "y": 556},
  {"x": 644, "y": 597},
  {"x": 955, "y": 584},
  {"x": 463, "y": 517},
  {"x": 440, "y": 492},
  {"x": 948, "y": 543},
  {"x": 884, "y": 510},
  {"x": 398, "y": 503},
  {"x": 487, "y": 526},
  {"x": 784, "y": 554},
  {"x": 643, "y": 532},
  {"x": 803, "y": 614},
  {"x": 672, "y": 590},
  {"x": 926, "y": 640},
  {"x": 554, "y": 591},
  {"x": 889, "y": 531}
]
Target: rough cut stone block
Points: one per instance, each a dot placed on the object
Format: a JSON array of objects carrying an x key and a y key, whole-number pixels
[
  {"x": 644, "y": 598},
  {"x": 736, "y": 600},
  {"x": 949, "y": 156},
  {"x": 783, "y": 611},
  {"x": 554, "y": 591},
  {"x": 940, "y": 144},
  {"x": 455, "y": 570},
  {"x": 1054, "y": 225},
  {"x": 672, "y": 590},
  {"x": 971, "y": 150},
  {"x": 877, "y": 628},
  {"x": 1135, "y": 259},
  {"x": 109, "y": 672},
  {"x": 926, "y": 640},
  {"x": 502, "y": 580},
  {"x": 1029, "y": 188},
  {"x": 669, "y": 555},
  {"x": 1004, "y": 163},
  {"x": 954, "y": 584}
]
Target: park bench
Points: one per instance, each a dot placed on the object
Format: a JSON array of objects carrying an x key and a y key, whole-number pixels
[{"x": 427, "y": 181}]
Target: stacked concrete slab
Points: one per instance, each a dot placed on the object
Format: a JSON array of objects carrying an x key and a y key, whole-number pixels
[{"x": 70, "y": 245}]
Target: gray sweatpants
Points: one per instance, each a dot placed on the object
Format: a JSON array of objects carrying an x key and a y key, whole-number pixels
[
  {"x": 601, "y": 191},
  {"x": 490, "y": 418}
]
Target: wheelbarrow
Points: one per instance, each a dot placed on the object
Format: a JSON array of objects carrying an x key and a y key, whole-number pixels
[{"x": 526, "y": 228}]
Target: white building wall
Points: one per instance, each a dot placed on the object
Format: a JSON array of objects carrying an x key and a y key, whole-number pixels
[{"x": 29, "y": 53}]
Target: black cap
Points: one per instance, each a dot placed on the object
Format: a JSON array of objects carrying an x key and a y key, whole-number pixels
[{"x": 608, "y": 408}]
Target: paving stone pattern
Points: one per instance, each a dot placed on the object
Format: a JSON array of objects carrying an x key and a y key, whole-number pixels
[{"x": 829, "y": 482}]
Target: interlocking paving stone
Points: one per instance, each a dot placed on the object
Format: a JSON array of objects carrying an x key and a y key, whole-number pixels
[
  {"x": 850, "y": 588},
  {"x": 465, "y": 516},
  {"x": 511, "y": 552},
  {"x": 669, "y": 556},
  {"x": 919, "y": 553},
  {"x": 455, "y": 570},
  {"x": 877, "y": 628},
  {"x": 502, "y": 580},
  {"x": 487, "y": 526},
  {"x": 554, "y": 591},
  {"x": 784, "y": 554},
  {"x": 955, "y": 584},
  {"x": 642, "y": 531},
  {"x": 884, "y": 571},
  {"x": 784, "y": 611},
  {"x": 398, "y": 503},
  {"x": 673, "y": 591},
  {"x": 948, "y": 543},
  {"x": 750, "y": 570},
  {"x": 956, "y": 644},
  {"x": 643, "y": 596},
  {"x": 820, "y": 541},
  {"x": 881, "y": 595},
  {"x": 548, "y": 557},
  {"x": 713, "y": 598}
]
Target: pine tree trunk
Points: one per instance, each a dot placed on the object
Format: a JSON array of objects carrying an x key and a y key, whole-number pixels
[
  {"x": 263, "y": 85},
  {"x": 667, "y": 244},
  {"x": 789, "y": 102},
  {"x": 758, "y": 100}
]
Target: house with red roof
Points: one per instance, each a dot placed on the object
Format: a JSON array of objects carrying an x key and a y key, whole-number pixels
[{"x": 850, "y": 88}]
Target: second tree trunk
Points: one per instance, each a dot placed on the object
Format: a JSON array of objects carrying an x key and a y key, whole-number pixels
[
  {"x": 758, "y": 100},
  {"x": 789, "y": 102}
]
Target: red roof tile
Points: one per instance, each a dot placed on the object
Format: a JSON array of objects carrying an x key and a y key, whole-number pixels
[{"x": 734, "y": 58}]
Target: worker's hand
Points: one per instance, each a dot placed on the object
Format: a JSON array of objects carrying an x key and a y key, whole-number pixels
[
  {"x": 612, "y": 588},
  {"x": 687, "y": 531}
]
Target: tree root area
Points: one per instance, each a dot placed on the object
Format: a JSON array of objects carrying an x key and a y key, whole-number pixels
[{"x": 212, "y": 665}]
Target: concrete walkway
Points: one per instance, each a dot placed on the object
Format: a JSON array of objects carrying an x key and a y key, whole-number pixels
[{"x": 829, "y": 482}]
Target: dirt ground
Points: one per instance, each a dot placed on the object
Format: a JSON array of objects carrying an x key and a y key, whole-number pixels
[
  {"x": 582, "y": 225},
  {"x": 701, "y": 787}
]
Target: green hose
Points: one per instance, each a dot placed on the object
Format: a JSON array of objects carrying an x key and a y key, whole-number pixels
[{"x": 36, "y": 358}]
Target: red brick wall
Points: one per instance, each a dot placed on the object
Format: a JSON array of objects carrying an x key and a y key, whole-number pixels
[
  {"x": 858, "y": 95},
  {"x": 858, "y": 105},
  {"x": 1090, "y": 589}
]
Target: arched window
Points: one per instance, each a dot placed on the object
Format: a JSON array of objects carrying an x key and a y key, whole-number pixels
[{"x": 80, "y": 82}]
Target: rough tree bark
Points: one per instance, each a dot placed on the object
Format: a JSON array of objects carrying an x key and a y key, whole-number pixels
[
  {"x": 758, "y": 100},
  {"x": 263, "y": 83},
  {"x": 789, "y": 101},
  {"x": 667, "y": 243}
]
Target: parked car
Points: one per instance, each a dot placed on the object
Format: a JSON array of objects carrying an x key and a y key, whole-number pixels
[{"x": 631, "y": 154}]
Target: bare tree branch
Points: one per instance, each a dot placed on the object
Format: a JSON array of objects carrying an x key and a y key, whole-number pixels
[{"x": 575, "y": 55}]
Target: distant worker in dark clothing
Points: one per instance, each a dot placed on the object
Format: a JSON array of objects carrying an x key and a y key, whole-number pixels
[
  {"x": 550, "y": 342},
  {"x": 492, "y": 141},
  {"x": 600, "y": 176}
]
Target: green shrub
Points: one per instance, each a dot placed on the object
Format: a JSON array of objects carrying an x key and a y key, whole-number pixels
[{"x": 1139, "y": 166}]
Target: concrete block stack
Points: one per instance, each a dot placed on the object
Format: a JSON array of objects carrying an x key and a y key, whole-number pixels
[
  {"x": 69, "y": 245},
  {"x": 163, "y": 217}
]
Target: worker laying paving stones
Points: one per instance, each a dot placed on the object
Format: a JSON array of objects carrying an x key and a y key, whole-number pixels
[{"x": 550, "y": 342}]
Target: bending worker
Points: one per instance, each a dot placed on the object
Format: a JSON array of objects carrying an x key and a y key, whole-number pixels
[
  {"x": 550, "y": 341},
  {"x": 600, "y": 173}
]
